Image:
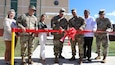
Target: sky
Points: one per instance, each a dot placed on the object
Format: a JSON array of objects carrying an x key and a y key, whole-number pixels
[{"x": 94, "y": 6}]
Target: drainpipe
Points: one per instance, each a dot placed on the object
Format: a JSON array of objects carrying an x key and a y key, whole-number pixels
[
  {"x": 40, "y": 7},
  {"x": 4, "y": 8}
]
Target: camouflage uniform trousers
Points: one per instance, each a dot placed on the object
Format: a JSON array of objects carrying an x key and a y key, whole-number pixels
[
  {"x": 80, "y": 40},
  {"x": 27, "y": 43},
  {"x": 104, "y": 39},
  {"x": 58, "y": 45}
]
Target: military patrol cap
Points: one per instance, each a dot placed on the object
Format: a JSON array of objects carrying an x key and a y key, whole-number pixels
[
  {"x": 32, "y": 7},
  {"x": 73, "y": 10},
  {"x": 102, "y": 11},
  {"x": 62, "y": 10}
]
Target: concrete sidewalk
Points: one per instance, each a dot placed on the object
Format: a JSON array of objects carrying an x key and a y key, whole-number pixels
[{"x": 66, "y": 53}]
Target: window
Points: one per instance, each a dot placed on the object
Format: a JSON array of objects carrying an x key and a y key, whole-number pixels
[
  {"x": 14, "y": 5},
  {"x": 56, "y": 2},
  {"x": 33, "y": 2}
]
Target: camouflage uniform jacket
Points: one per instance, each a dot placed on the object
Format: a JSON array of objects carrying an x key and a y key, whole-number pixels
[
  {"x": 57, "y": 22},
  {"x": 26, "y": 21},
  {"x": 77, "y": 23},
  {"x": 103, "y": 25}
]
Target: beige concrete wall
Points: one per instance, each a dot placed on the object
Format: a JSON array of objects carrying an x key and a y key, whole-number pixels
[
  {"x": 3, "y": 10},
  {"x": 47, "y": 6},
  {"x": 23, "y": 6}
]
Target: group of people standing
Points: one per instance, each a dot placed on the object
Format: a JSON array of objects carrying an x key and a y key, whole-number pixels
[
  {"x": 98, "y": 27},
  {"x": 58, "y": 22}
]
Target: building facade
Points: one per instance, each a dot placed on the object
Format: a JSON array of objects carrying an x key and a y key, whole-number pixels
[{"x": 42, "y": 6}]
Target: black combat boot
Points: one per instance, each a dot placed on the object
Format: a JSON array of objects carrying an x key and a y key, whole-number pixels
[
  {"x": 72, "y": 58},
  {"x": 60, "y": 56},
  {"x": 89, "y": 59}
]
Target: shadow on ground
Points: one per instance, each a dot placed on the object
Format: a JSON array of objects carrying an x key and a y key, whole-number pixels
[{"x": 50, "y": 61}]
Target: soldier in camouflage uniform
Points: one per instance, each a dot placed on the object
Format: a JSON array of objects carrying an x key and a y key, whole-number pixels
[
  {"x": 27, "y": 21},
  {"x": 79, "y": 24},
  {"x": 58, "y": 22},
  {"x": 103, "y": 24}
]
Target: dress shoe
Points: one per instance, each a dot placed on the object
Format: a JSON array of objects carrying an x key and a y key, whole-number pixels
[
  {"x": 8, "y": 63},
  {"x": 89, "y": 60},
  {"x": 43, "y": 61}
]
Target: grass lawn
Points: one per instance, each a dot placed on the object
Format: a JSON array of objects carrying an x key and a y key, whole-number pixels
[
  {"x": 17, "y": 50},
  {"x": 111, "y": 48},
  {"x": 2, "y": 48}
]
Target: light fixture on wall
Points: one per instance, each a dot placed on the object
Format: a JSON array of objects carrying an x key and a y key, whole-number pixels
[{"x": 56, "y": 2}]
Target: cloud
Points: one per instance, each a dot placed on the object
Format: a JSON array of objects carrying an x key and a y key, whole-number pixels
[
  {"x": 96, "y": 15},
  {"x": 111, "y": 14},
  {"x": 112, "y": 22}
]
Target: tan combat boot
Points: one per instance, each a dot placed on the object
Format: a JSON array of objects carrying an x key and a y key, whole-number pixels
[
  {"x": 98, "y": 57},
  {"x": 30, "y": 60},
  {"x": 104, "y": 59},
  {"x": 23, "y": 61},
  {"x": 56, "y": 60}
]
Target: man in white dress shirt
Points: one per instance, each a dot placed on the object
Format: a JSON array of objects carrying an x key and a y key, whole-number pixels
[{"x": 88, "y": 37}]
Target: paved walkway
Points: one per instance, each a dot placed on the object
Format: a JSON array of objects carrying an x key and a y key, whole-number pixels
[{"x": 66, "y": 53}]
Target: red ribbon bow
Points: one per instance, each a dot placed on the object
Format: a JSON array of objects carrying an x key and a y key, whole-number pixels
[{"x": 70, "y": 34}]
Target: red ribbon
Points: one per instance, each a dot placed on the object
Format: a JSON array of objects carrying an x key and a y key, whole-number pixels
[
  {"x": 68, "y": 33},
  {"x": 35, "y": 31}
]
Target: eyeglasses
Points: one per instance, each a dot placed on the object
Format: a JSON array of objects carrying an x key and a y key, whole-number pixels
[{"x": 101, "y": 14}]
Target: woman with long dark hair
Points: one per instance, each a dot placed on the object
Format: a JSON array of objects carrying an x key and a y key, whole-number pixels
[{"x": 42, "y": 37}]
